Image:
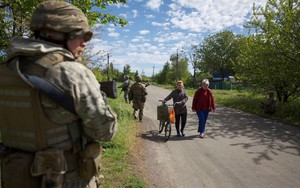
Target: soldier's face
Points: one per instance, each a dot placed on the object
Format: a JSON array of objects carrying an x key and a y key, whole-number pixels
[{"x": 76, "y": 46}]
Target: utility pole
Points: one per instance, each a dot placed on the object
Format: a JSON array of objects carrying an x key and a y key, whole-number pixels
[
  {"x": 153, "y": 71},
  {"x": 108, "y": 79},
  {"x": 177, "y": 65}
]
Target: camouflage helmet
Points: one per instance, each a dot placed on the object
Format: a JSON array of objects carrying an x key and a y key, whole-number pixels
[
  {"x": 271, "y": 93},
  {"x": 60, "y": 19},
  {"x": 138, "y": 78}
]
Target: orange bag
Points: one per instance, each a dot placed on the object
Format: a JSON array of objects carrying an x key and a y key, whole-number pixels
[{"x": 172, "y": 114}]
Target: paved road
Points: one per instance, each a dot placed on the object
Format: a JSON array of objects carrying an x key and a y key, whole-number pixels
[{"x": 240, "y": 150}]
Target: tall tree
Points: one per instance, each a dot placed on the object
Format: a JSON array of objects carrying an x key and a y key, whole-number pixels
[
  {"x": 15, "y": 17},
  {"x": 179, "y": 67},
  {"x": 162, "y": 76},
  {"x": 126, "y": 70},
  {"x": 274, "y": 50},
  {"x": 217, "y": 54}
]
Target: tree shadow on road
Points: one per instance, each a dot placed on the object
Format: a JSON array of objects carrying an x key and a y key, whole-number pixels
[
  {"x": 152, "y": 135},
  {"x": 271, "y": 136}
]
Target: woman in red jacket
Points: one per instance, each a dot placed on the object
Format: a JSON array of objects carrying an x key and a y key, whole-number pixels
[{"x": 203, "y": 103}]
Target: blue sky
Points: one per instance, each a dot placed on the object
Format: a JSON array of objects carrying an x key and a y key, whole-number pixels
[{"x": 157, "y": 28}]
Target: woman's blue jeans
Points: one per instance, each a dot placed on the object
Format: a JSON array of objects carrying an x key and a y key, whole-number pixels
[{"x": 202, "y": 117}]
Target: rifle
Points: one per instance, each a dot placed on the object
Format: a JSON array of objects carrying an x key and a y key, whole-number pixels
[
  {"x": 109, "y": 88},
  {"x": 146, "y": 84},
  {"x": 121, "y": 91}
]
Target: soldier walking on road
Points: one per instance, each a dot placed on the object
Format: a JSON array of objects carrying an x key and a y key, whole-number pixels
[
  {"x": 138, "y": 94},
  {"x": 126, "y": 85},
  {"x": 52, "y": 113}
]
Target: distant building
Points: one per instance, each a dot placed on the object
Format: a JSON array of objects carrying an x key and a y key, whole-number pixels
[{"x": 217, "y": 83}]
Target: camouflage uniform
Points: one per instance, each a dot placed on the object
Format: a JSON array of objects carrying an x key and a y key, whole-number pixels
[
  {"x": 137, "y": 94},
  {"x": 126, "y": 85},
  {"x": 269, "y": 106},
  {"x": 94, "y": 118}
]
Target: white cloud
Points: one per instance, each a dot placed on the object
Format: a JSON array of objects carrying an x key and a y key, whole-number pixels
[
  {"x": 113, "y": 34},
  {"x": 160, "y": 24},
  {"x": 144, "y": 32},
  {"x": 146, "y": 44},
  {"x": 135, "y": 13},
  {"x": 149, "y": 16},
  {"x": 139, "y": 39},
  {"x": 124, "y": 16},
  {"x": 154, "y": 4},
  {"x": 135, "y": 40},
  {"x": 143, "y": 61},
  {"x": 111, "y": 29},
  {"x": 210, "y": 15}
]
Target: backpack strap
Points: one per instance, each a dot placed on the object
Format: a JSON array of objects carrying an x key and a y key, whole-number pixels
[
  {"x": 52, "y": 92},
  {"x": 45, "y": 87}
]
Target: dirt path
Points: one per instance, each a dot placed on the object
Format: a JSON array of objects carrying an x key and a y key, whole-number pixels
[{"x": 240, "y": 150}]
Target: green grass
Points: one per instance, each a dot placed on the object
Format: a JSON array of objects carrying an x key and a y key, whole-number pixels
[
  {"x": 250, "y": 102},
  {"x": 116, "y": 161}
]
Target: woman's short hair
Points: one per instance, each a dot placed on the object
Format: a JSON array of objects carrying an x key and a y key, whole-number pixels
[
  {"x": 205, "y": 81},
  {"x": 179, "y": 82}
]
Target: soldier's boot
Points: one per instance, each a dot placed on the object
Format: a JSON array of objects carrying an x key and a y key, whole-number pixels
[
  {"x": 134, "y": 114},
  {"x": 140, "y": 116}
]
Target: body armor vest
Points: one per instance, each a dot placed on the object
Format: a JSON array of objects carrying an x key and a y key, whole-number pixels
[{"x": 23, "y": 123}]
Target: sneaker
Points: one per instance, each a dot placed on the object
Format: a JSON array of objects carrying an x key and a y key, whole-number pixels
[{"x": 202, "y": 135}]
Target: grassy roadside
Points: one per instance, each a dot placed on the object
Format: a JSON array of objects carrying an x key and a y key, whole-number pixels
[
  {"x": 119, "y": 169},
  {"x": 249, "y": 102}
]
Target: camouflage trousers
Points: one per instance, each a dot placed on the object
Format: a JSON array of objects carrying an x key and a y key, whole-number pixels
[
  {"x": 138, "y": 107},
  {"x": 126, "y": 96}
]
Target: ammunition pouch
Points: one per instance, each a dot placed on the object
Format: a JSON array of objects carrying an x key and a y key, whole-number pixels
[
  {"x": 51, "y": 165},
  {"x": 18, "y": 164},
  {"x": 90, "y": 162}
]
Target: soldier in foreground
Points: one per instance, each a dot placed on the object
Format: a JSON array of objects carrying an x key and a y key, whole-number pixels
[
  {"x": 52, "y": 113},
  {"x": 138, "y": 94}
]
